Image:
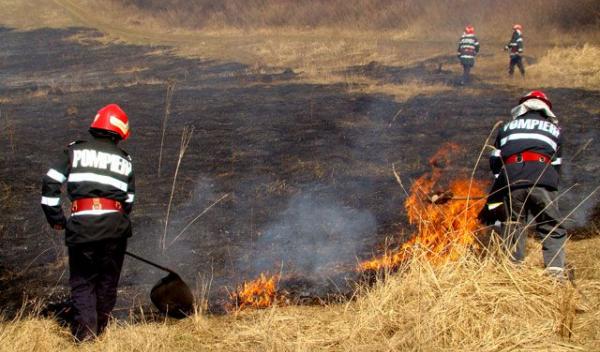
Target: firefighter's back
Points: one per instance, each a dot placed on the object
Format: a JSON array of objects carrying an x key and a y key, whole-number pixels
[{"x": 98, "y": 169}]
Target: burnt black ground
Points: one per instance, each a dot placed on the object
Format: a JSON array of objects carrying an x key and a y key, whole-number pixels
[{"x": 282, "y": 149}]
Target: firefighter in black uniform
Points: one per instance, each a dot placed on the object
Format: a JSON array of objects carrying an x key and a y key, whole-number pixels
[
  {"x": 526, "y": 164},
  {"x": 468, "y": 48},
  {"x": 100, "y": 185},
  {"x": 515, "y": 50}
]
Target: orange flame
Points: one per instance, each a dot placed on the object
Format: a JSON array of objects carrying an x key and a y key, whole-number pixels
[
  {"x": 259, "y": 293},
  {"x": 444, "y": 231}
]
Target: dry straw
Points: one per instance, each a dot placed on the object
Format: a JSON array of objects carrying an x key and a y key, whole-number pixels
[
  {"x": 168, "y": 99},
  {"x": 475, "y": 303},
  {"x": 186, "y": 137}
]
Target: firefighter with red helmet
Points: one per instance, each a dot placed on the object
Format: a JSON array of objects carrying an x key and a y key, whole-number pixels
[
  {"x": 468, "y": 48},
  {"x": 515, "y": 50},
  {"x": 100, "y": 185},
  {"x": 526, "y": 163}
]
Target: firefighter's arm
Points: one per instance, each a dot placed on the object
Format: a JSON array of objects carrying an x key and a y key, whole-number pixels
[
  {"x": 509, "y": 44},
  {"x": 496, "y": 158},
  {"x": 476, "y": 46},
  {"x": 128, "y": 205},
  {"x": 51, "y": 185},
  {"x": 557, "y": 158}
]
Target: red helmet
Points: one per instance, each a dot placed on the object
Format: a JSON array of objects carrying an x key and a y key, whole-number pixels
[
  {"x": 469, "y": 29},
  {"x": 517, "y": 27},
  {"x": 536, "y": 94},
  {"x": 113, "y": 119}
]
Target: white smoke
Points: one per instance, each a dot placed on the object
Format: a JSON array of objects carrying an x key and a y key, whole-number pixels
[{"x": 314, "y": 232}]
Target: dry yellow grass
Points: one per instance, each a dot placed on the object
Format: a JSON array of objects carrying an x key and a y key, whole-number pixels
[
  {"x": 33, "y": 14},
  {"x": 473, "y": 304},
  {"x": 573, "y": 66}
]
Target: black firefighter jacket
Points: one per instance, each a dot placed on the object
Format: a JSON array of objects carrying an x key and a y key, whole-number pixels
[
  {"x": 515, "y": 44},
  {"x": 528, "y": 132},
  {"x": 97, "y": 168},
  {"x": 468, "y": 48}
]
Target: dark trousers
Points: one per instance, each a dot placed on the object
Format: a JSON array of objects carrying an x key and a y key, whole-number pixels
[
  {"x": 466, "y": 74},
  {"x": 540, "y": 205},
  {"x": 94, "y": 268},
  {"x": 467, "y": 65},
  {"x": 516, "y": 60}
]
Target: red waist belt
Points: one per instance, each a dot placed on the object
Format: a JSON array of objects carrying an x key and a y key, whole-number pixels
[
  {"x": 527, "y": 156},
  {"x": 95, "y": 204}
]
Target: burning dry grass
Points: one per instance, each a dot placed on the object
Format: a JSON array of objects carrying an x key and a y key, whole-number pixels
[
  {"x": 443, "y": 231},
  {"x": 260, "y": 293},
  {"x": 473, "y": 303}
]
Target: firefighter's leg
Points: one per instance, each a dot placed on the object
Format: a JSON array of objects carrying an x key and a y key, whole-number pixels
[
  {"x": 467, "y": 73},
  {"x": 511, "y": 66},
  {"x": 520, "y": 65},
  {"x": 82, "y": 279},
  {"x": 514, "y": 231},
  {"x": 549, "y": 227},
  {"x": 110, "y": 263}
]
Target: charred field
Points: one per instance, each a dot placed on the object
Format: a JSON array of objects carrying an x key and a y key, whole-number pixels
[{"x": 305, "y": 167}]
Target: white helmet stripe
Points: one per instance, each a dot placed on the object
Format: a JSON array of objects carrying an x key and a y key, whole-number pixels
[{"x": 124, "y": 127}]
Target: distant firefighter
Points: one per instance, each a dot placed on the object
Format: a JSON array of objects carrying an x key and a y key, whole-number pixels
[
  {"x": 100, "y": 185},
  {"x": 468, "y": 48},
  {"x": 515, "y": 49}
]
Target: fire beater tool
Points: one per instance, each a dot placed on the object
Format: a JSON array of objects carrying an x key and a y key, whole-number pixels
[
  {"x": 171, "y": 295},
  {"x": 442, "y": 197}
]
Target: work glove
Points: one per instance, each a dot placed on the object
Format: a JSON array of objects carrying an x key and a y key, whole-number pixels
[
  {"x": 492, "y": 212},
  {"x": 494, "y": 209}
]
